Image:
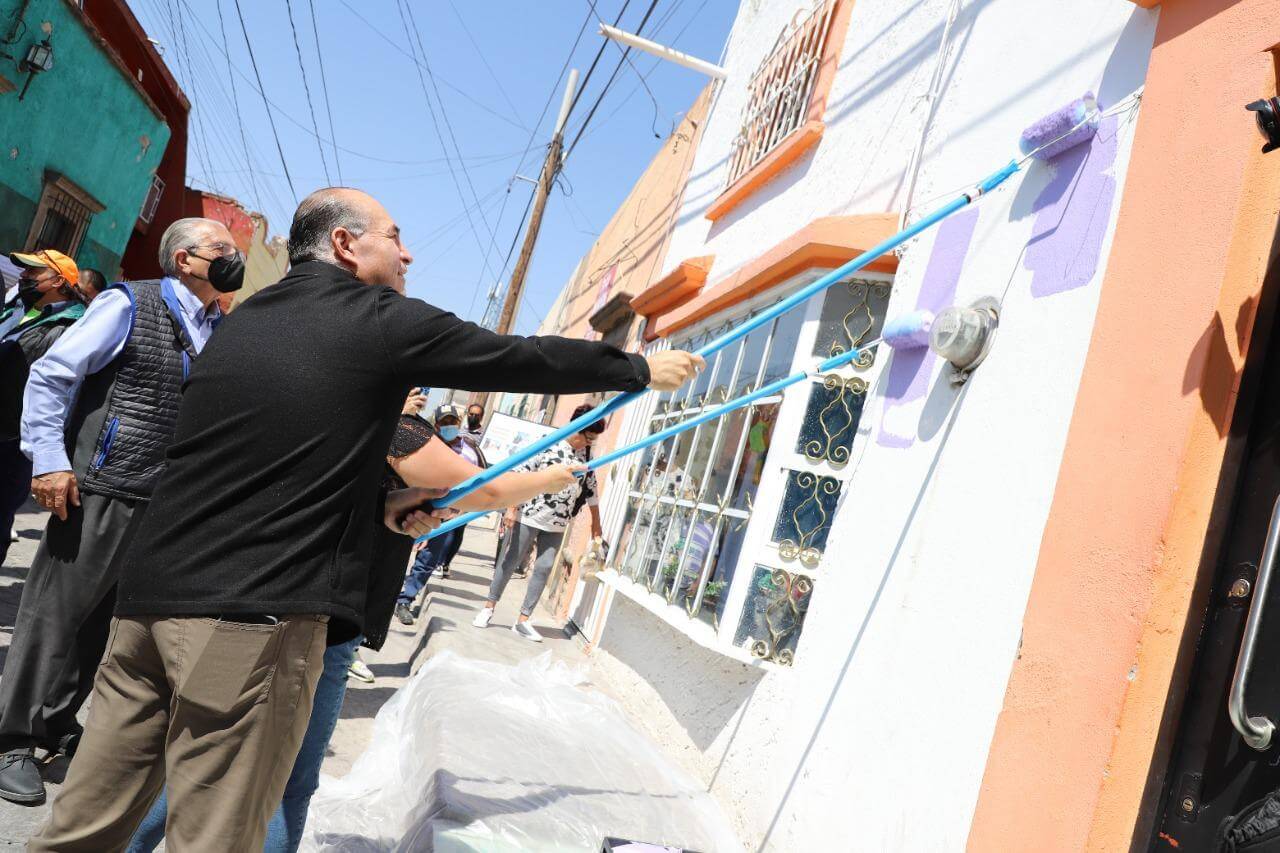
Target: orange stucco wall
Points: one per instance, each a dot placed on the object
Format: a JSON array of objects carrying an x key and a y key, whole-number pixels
[
  {"x": 636, "y": 241},
  {"x": 1122, "y": 548}
]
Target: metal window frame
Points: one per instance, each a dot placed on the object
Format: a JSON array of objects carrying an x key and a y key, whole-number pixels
[{"x": 780, "y": 89}]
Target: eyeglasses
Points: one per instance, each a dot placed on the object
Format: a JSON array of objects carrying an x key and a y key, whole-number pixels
[{"x": 219, "y": 248}]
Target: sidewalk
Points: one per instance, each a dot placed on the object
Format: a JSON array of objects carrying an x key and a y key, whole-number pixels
[{"x": 444, "y": 623}]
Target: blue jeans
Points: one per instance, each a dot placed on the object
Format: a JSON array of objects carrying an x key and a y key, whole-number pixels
[
  {"x": 284, "y": 832},
  {"x": 437, "y": 554}
]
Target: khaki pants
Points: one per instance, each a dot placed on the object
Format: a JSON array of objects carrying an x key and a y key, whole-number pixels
[{"x": 214, "y": 710}]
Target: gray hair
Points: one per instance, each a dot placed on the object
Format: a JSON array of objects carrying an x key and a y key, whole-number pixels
[
  {"x": 318, "y": 215},
  {"x": 182, "y": 234}
]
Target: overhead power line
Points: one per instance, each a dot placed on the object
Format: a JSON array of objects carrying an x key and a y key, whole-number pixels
[
  {"x": 266, "y": 104},
  {"x": 324, "y": 84},
  {"x": 608, "y": 83},
  {"x": 435, "y": 122},
  {"x": 235, "y": 102},
  {"x": 306, "y": 88}
]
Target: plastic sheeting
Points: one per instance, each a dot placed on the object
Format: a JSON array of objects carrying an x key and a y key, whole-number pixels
[{"x": 476, "y": 756}]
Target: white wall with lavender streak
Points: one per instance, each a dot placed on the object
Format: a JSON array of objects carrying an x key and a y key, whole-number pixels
[{"x": 877, "y": 738}]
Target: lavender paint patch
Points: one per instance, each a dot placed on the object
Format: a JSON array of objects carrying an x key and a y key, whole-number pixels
[
  {"x": 1072, "y": 213},
  {"x": 909, "y": 370}
]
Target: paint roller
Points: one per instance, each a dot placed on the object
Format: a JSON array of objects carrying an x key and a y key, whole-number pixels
[
  {"x": 1046, "y": 138},
  {"x": 1049, "y": 136}
]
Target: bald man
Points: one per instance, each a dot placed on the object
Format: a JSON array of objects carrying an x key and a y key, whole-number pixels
[{"x": 255, "y": 552}]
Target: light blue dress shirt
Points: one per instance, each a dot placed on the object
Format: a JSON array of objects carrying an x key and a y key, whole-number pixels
[{"x": 84, "y": 349}]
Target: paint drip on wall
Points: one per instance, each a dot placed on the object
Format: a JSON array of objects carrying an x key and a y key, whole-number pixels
[{"x": 910, "y": 370}]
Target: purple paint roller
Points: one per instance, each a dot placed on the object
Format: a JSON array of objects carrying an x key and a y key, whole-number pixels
[
  {"x": 908, "y": 331},
  {"x": 1062, "y": 129}
]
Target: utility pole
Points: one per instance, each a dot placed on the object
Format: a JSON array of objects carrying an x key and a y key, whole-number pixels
[{"x": 550, "y": 168}]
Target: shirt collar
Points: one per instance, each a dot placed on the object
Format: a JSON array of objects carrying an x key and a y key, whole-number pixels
[{"x": 190, "y": 303}]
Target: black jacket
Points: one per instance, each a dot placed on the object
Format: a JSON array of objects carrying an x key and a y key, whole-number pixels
[
  {"x": 32, "y": 340},
  {"x": 270, "y": 496}
]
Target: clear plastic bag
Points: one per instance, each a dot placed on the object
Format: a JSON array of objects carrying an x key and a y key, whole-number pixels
[{"x": 477, "y": 756}]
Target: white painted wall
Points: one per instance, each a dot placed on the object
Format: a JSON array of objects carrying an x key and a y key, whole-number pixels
[{"x": 877, "y": 739}]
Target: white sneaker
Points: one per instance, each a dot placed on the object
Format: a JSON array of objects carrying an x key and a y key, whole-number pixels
[
  {"x": 360, "y": 670},
  {"x": 483, "y": 617},
  {"x": 524, "y": 629}
]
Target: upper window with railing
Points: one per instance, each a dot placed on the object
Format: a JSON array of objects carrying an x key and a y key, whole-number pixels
[{"x": 780, "y": 89}]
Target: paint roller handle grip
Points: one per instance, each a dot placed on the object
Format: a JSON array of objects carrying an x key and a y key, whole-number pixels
[{"x": 997, "y": 178}]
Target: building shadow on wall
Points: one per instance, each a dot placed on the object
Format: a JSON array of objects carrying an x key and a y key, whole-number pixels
[
  {"x": 1211, "y": 369},
  {"x": 703, "y": 690}
]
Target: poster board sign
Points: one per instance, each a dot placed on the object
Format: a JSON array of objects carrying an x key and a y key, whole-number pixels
[{"x": 505, "y": 435}]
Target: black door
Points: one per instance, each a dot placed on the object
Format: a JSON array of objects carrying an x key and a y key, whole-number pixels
[{"x": 1214, "y": 773}]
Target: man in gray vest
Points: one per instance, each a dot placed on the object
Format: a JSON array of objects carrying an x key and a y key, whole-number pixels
[{"x": 99, "y": 412}]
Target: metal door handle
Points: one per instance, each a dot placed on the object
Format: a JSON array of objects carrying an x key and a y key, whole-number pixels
[{"x": 1256, "y": 731}]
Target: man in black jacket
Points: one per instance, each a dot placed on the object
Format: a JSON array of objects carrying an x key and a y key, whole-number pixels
[{"x": 256, "y": 550}]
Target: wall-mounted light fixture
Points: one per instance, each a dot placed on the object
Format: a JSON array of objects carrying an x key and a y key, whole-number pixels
[
  {"x": 1267, "y": 113},
  {"x": 963, "y": 335},
  {"x": 39, "y": 58}
]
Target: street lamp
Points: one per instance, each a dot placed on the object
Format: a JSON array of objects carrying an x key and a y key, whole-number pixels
[{"x": 39, "y": 58}]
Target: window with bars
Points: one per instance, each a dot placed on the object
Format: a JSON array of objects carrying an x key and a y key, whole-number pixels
[
  {"x": 152, "y": 201},
  {"x": 729, "y": 521},
  {"x": 62, "y": 216},
  {"x": 780, "y": 88}
]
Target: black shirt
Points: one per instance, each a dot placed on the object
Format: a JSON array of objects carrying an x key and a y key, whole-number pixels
[{"x": 271, "y": 494}]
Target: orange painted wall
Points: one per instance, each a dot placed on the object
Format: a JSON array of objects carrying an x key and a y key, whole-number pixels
[
  {"x": 1122, "y": 547},
  {"x": 636, "y": 241}
]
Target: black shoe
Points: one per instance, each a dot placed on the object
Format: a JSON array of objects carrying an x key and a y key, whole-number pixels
[
  {"x": 403, "y": 613},
  {"x": 63, "y": 745},
  {"x": 20, "y": 780}
]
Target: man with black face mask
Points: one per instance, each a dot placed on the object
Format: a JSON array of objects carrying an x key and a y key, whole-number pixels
[
  {"x": 99, "y": 412},
  {"x": 475, "y": 419},
  {"x": 45, "y": 303}
]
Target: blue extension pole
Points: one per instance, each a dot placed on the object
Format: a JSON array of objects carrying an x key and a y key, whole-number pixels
[
  {"x": 994, "y": 180},
  {"x": 675, "y": 429}
]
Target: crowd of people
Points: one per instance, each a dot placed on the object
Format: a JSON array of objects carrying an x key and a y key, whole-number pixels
[{"x": 233, "y": 500}]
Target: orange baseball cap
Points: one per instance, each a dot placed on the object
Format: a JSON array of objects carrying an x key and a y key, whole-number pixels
[{"x": 52, "y": 259}]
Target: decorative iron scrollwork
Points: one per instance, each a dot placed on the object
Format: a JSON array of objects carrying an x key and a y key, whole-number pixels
[
  {"x": 833, "y": 446},
  {"x": 783, "y": 616},
  {"x": 859, "y": 320},
  {"x": 802, "y": 547}
]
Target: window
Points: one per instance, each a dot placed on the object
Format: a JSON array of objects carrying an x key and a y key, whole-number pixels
[
  {"x": 152, "y": 201},
  {"x": 779, "y": 90},
  {"x": 62, "y": 216},
  {"x": 729, "y": 521}
]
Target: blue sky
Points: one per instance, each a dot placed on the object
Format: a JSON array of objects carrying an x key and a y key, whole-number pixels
[{"x": 493, "y": 65}]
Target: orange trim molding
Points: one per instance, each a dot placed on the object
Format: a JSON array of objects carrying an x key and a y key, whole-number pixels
[
  {"x": 783, "y": 155},
  {"x": 826, "y": 243},
  {"x": 677, "y": 286}
]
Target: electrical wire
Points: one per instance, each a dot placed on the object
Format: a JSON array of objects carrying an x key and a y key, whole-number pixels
[
  {"x": 591, "y": 12},
  {"x": 608, "y": 83},
  {"x": 306, "y": 88},
  {"x": 266, "y": 104},
  {"x": 468, "y": 96},
  {"x": 555, "y": 87},
  {"x": 235, "y": 102},
  {"x": 435, "y": 122},
  {"x": 285, "y": 114},
  {"x": 324, "y": 84}
]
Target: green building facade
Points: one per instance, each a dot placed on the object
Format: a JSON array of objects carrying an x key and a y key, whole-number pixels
[{"x": 78, "y": 153}]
